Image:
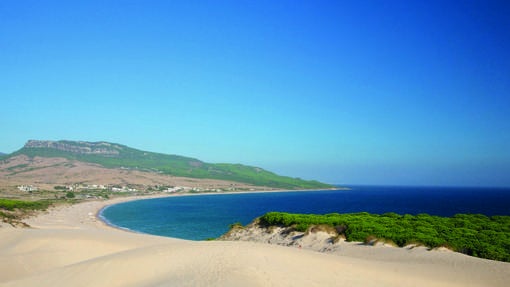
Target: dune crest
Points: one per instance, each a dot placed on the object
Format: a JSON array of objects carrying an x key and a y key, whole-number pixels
[{"x": 69, "y": 247}]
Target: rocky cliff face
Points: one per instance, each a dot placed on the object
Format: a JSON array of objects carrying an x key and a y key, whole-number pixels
[{"x": 97, "y": 148}]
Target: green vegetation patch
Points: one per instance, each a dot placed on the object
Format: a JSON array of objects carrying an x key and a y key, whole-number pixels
[
  {"x": 12, "y": 204},
  {"x": 12, "y": 211},
  {"x": 472, "y": 234}
]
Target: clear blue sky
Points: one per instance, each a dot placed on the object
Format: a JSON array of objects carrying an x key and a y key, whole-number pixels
[{"x": 352, "y": 92}]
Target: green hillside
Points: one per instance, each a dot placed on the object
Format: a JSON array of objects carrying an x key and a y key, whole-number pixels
[{"x": 113, "y": 155}]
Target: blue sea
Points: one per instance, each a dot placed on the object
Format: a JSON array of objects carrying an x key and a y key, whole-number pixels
[{"x": 206, "y": 216}]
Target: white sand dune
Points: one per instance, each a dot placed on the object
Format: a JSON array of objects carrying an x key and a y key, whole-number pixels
[{"x": 70, "y": 247}]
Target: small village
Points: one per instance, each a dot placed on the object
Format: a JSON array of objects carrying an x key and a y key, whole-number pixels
[{"x": 98, "y": 191}]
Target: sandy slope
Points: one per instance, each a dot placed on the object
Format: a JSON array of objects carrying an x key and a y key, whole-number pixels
[{"x": 70, "y": 247}]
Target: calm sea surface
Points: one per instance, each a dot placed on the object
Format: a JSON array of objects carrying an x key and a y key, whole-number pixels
[{"x": 205, "y": 216}]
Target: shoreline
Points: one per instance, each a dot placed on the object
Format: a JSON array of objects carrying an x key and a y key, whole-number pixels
[
  {"x": 165, "y": 195},
  {"x": 108, "y": 224},
  {"x": 70, "y": 245}
]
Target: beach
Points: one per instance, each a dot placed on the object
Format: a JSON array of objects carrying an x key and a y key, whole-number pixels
[{"x": 70, "y": 246}]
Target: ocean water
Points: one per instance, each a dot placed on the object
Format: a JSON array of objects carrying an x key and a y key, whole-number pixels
[{"x": 206, "y": 216}]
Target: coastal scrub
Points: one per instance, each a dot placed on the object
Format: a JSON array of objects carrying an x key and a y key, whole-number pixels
[
  {"x": 472, "y": 234},
  {"x": 13, "y": 210}
]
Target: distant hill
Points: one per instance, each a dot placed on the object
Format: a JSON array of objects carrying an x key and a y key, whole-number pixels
[{"x": 112, "y": 155}]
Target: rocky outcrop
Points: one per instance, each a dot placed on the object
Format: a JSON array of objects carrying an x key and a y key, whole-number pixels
[{"x": 97, "y": 148}]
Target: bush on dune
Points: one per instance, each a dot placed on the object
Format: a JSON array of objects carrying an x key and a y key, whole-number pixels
[
  {"x": 12, "y": 210},
  {"x": 11, "y": 204},
  {"x": 471, "y": 234}
]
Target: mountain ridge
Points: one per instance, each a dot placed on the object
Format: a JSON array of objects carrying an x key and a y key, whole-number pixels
[{"x": 113, "y": 155}]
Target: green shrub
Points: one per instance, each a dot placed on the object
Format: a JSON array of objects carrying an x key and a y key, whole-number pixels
[
  {"x": 472, "y": 234},
  {"x": 11, "y": 204}
]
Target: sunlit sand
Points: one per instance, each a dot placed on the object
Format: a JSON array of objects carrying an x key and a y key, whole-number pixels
[{"x": 69, "y": 246}]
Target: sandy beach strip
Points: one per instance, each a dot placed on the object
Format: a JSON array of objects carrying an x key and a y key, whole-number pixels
[{"x": 70, "y": 246}]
